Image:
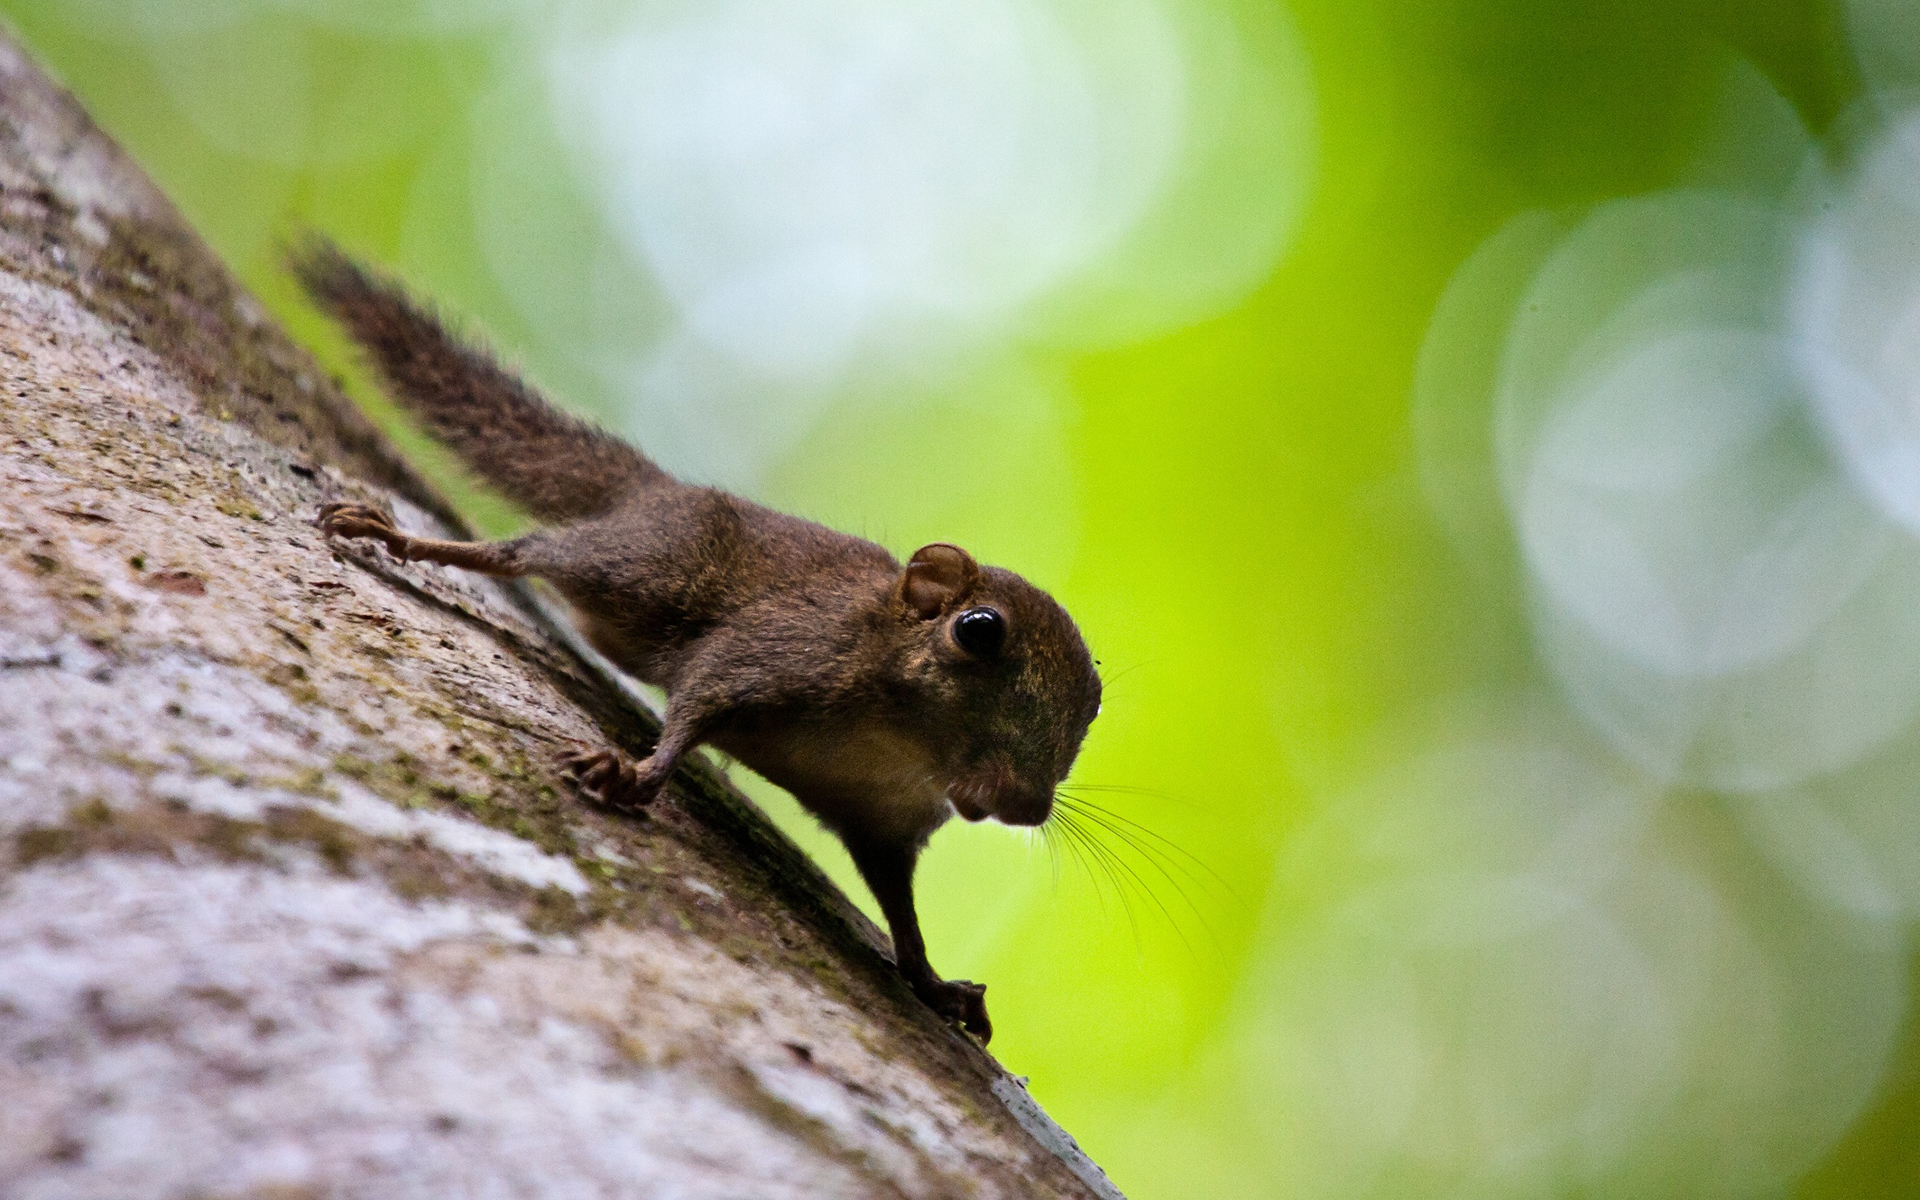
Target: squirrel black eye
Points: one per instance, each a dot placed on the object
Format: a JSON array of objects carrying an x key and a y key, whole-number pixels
[{"x": 980, "y": 631}]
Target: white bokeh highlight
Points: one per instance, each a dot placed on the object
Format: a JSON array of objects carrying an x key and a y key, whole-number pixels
[
  {"x": 806, "y": 178},
  {"x": 1710, "y": 588},
  {"x": 1522, "y": 972},
  {"x": 1680, "y": 433},
  {"x": 854, "y": 197},
  {"x": 1856, "y": 319}
]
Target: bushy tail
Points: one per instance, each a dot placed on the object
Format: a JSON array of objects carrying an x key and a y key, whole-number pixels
[{"x": 555, "y": 465}]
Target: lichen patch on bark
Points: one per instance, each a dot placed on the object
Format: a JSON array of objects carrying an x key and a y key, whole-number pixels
[{"x": 234, "y": 1030}]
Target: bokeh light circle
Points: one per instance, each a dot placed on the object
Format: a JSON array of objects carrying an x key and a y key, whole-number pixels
[{"x": 1520, "y": 971}]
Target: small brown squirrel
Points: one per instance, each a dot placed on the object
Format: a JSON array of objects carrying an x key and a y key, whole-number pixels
[{"x": 885, "y": 698}]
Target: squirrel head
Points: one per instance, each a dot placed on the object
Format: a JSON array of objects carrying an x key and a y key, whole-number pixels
[{"x": 1005, "y": 682}]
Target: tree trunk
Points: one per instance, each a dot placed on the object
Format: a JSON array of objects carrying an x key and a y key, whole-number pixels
[{"x": 293, "y": 900}]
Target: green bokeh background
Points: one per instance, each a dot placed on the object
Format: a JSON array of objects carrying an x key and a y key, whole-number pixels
[{"x": 1232, "y": 508}]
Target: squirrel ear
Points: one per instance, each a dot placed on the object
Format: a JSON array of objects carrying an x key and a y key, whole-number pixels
[{"x": 934, "y": 576}]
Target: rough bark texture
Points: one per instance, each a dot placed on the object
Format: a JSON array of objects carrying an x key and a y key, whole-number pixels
[{"x": 292, "y": 899}]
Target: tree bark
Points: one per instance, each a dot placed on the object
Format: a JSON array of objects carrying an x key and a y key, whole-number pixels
[{"x": 293, "y": 900}]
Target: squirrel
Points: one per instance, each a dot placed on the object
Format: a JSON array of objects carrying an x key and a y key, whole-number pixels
[{"x": 885, "y": 697}]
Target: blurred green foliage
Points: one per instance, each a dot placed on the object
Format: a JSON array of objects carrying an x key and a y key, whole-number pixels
[{"x": 1232, "y": 507}]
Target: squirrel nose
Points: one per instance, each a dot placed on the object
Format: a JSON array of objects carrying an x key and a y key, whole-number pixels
[{"x": 1021, "y": 806}]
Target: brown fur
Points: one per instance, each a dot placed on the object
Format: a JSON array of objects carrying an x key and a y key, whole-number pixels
[{"x": 811, "y": 656}]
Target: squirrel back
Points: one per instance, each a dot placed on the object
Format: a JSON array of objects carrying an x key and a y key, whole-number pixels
[{"x": 557, "y": 466}]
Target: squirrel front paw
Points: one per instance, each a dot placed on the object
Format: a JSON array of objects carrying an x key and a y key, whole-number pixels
[
  {"x": 611, "y": 778},
  {"x": 960, "y": 1001},
  {"x": 358, "y": 521}
]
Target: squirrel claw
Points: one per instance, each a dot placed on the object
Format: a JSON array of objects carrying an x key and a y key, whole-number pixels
[
  {"x": 610, "y": 778},
  {"x": 962, "y": 1002},
  {"x": 349, "y": 520}
]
